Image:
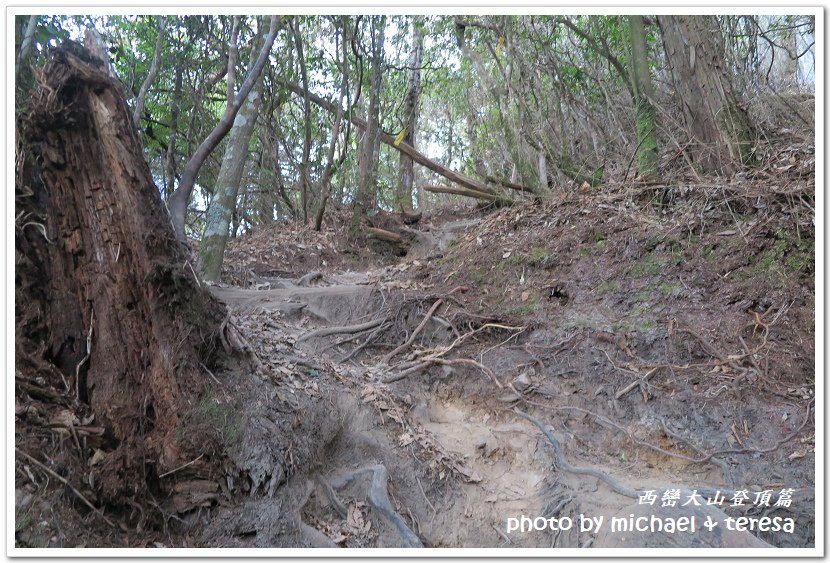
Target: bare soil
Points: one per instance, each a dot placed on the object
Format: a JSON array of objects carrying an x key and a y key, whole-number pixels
[{"x": 663, "y": 334}]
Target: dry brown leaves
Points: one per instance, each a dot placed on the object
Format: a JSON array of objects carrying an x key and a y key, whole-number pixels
[{"x": 438, "y": 459}]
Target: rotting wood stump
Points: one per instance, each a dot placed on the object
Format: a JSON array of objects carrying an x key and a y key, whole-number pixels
[{"x": 108, "y": 298}]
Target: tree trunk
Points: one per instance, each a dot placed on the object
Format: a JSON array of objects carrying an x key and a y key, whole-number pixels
[
  {"x": 406, "y": 172},
  {"x": 719, "y": 128},
  {"x": 223, "y": 204},
  {"x": 121, "y": 315},
  {"x": 305, "y": 181},
  {"x": 367, "y": 173},
  {"x": 151, "y": 75},
  {"x": 646, "y": 115},
  {"x": 325, "y": 181},
  {"x": 170, "y": 161},
  {"x": 180, "y": 199},
  {"x": 26, "y": 44}
]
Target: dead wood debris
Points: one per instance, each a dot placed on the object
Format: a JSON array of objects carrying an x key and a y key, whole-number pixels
[{"x": 68, "y": 485}]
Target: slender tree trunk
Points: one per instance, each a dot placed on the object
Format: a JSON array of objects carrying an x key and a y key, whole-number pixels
[
  {"x": 170, "y": 165},
  {"x": 367, "y": 174},
  {"x": 406, "y": 172},
  {"x": 305, "y": 182},
  {"x": 151, "y": 75},
  {"x": 278, "y": 167},
  {"x": 646, "y": 117},
  {"x": 26, "y": 44},
  {"x": 223, "y": 204},
  {"x": 325, "y": 182},
  {"x": 265, "y": 198},
  {"x": 180, "y": 199},
  {"x": 718, "y": 126}
]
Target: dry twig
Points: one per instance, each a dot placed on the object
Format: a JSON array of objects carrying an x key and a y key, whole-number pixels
[{"x": 68, "y": 484}]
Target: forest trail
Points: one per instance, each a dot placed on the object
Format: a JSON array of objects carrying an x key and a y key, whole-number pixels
[
  {"x": 477, "y": 463},
  {"x": 504, "y": 459}
]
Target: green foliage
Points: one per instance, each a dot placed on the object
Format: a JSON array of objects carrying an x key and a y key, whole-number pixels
[
  {"x": 538, "y": 256},
  {"x": 655, "y": 262},
  {"x": 528, "y": 307},
  {"x": 607, "y": 287},
  {"x": 786, "y": 255},
  {"x": 522, "y": 86}
]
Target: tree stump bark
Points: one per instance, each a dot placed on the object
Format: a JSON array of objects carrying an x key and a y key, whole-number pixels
[{"x": 109, "y": 293}]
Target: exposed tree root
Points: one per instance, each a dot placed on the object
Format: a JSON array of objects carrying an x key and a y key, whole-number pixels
[
  {"x": 308, "y": 278},
  {"x": 615, "y": 485},
  {"x": 625, "y": 491},
  {"x": 347, "y": 329},
  {"x": 315, "y": 537},
  {"x": 441, "y": 361},
  {"x": 415, "y": 333},
  {"x": 376, "y": 495}
]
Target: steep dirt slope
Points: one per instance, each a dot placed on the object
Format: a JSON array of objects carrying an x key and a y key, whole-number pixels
[{"x": 666, "y": 341}]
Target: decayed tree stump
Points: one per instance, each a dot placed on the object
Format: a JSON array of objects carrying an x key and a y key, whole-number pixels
[{"x": 110, "y": 268}]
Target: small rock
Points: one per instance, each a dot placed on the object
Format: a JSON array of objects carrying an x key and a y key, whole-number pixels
[
  {"x": 22, "y": 499},
  {"x": 481, "y": 444},
  {"x": 522, "y": 382}
]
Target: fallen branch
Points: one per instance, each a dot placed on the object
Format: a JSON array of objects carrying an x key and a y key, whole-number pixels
[
  {"x": 347, "y": 329},
  {"x": 415, "y": 333},
  {"x": 390, "y": 140},
  {"x": 501, "y": 200},
  {"x": 638, "y": 383},
  {"x": 410, "y": 218},
  {"x": 382, "y": 234},
  {"x": 68, "y": 484},
  {"x": 511, "y": 185}
]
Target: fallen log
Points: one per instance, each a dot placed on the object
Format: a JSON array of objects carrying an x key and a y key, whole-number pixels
[
  {"x": 410, "y": 218},
  {"x": 501, "y": 200},
  {"x": 381, "y": 234},
  {"x": 511, "y": 185},
  {"x": 402, "y": 147}
]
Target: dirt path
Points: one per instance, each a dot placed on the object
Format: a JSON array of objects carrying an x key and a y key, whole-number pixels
[
  {"x": 460, "y": 461},
  {"x": 505, "y": 463}
]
